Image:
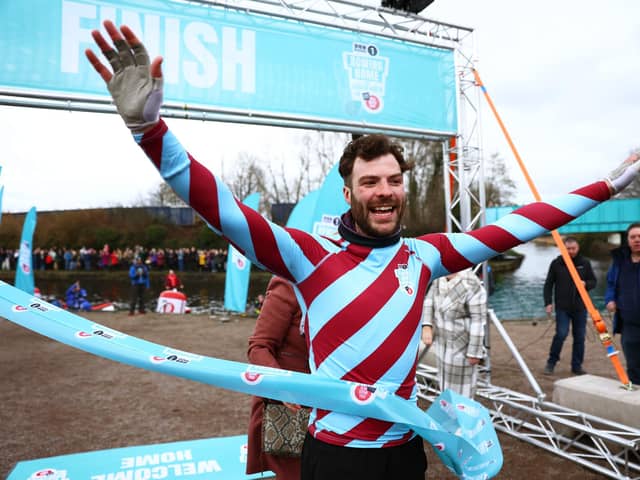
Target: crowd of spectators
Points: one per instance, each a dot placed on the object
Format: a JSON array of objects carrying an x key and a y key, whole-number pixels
[{"x": 189, "y": 259}]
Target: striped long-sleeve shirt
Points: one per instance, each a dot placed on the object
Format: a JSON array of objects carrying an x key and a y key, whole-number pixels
[{"x": 361, "y": 304}]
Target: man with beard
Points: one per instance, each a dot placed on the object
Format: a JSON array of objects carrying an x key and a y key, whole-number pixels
[{"x": 360, "y": 293}]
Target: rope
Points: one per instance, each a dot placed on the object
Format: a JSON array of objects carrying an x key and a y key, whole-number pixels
[{"x": 599, "y": 324}]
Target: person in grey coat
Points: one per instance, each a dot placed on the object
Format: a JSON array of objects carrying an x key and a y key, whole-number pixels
[{"x": 454, "y": 317}]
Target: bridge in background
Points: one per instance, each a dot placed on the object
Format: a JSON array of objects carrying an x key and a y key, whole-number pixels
[{"x": 609, "y": 217}]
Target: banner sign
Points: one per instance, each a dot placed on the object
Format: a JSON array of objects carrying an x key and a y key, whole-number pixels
[
  {"x": 206, "y": 459},
  {"x": 25, "y": 278},
  {"x": 242, "y": 62},
  {"x": 459, "y": 428}
]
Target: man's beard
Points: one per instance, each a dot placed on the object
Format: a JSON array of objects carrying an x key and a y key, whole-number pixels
[{"x": 360, "y": 214}]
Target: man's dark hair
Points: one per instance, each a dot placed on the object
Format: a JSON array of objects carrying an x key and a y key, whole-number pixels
[
  {"x": 570, "y": 240},
  {"x": 369, "y": 147},
  {"x": 629, "y": 228}
]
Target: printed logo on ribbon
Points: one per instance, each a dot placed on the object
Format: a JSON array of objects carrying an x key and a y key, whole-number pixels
[
  {"x": 39, "y": 304},
  {"x": 251, "y": 378},
  {"x": 367, "y": 72},
  {"x": 172, "y": 355},
  {"x": 484, "y": 447},
  {"x": 244, "y": 449},
  {"x": 468, "y": 409},
  {"x": 102, "y": 332},
  {"x": 363, "y": 394},
  {"x": 49, "y": 474},
  {"x": 19, "y": 308},
  {"x": 402, "y": 274}
]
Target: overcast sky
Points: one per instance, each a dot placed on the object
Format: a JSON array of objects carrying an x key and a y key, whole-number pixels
[{"x": 564, "y": 76}]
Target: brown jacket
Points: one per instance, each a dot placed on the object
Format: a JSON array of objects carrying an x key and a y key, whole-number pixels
[{"x": 276, "y": 342}]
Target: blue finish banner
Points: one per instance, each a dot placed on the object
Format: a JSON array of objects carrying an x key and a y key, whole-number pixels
[
  {"x": 459, "y": 429},
  {"x": 25, "y": 278},
  {"x": 240, "y": 61},
  {"x": 236, "y": 280},
  {"x": 210, "y": 458}
]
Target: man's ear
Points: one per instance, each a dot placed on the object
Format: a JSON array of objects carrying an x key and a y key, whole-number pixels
[{"x": 346, "y": 191}]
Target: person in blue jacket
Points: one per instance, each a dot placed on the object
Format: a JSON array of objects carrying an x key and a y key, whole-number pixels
[
  {"x": 76, "y": 298},
  {"x": 139, "y": 276},
  {"x": 622, "y": 298}
]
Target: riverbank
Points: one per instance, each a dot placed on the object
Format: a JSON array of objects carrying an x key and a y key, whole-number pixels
[{"x": 58, "y": 400}]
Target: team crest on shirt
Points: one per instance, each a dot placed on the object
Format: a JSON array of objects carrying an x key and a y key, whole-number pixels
[{"x": 402, "y": 274}]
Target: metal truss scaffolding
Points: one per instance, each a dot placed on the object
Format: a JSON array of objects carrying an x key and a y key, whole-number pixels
[{"x": 607, "y": 447}]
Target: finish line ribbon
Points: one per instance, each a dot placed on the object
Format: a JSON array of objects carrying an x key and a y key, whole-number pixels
[{"x": 458, "y": 428}]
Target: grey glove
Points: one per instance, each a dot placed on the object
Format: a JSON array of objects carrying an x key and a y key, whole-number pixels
[
  {"x": 136, "y": 94},
  {"x": 622, "y": 176}
]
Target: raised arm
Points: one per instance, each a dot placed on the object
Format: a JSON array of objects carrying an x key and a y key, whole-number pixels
[
  {"x": 458, "y": 251},
  {"x": 136, "y": 87},
  {"x": 135, "y": 84}
]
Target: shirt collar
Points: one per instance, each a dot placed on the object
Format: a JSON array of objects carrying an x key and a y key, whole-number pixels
[{"x": 348, "y": 231}]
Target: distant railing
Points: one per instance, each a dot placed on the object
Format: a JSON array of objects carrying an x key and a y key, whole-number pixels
[{"x": 609, "y": 217}]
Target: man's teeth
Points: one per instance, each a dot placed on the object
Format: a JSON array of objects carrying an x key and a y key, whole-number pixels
[{"x": 382, "y": 209}]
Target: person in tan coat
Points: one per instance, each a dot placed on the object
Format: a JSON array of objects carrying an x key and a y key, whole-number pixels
[
  {"x": 454, "y": 317},
  {"x": 276, "y": 342}
]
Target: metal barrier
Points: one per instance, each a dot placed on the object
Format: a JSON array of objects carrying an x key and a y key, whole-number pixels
[{"x": 607, "y": 447}]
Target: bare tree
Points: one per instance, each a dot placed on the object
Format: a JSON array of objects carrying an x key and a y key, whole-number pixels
[
  {"x": 319, "y": 152},
  {"x": 324, "y": 150},
  {"x": 163, "y": 196},
  {"x": 499, "y": 187},
  {"x": 425, "y": 192},
  {"x": 248, "y": 176}
]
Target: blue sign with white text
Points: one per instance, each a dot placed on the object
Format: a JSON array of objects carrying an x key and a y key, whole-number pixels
[
  {"x": 210, "y": 458},
  {"x": 236, "y": 61}
]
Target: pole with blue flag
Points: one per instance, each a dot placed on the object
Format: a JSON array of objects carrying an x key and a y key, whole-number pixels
[
  {"x": 301, "y": 217},
  {"x": 24, "y": 268},
  {"x": 236, "y": 282},
  {"x": 330, "y": 204}
]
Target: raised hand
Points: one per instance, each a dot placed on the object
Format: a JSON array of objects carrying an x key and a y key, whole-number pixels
[
  {"x": 136, "y": 86},
  {"x": 622, "y": 176}
]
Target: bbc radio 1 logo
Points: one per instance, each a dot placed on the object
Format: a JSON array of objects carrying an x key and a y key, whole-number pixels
[{"x": 367, "y": 71}]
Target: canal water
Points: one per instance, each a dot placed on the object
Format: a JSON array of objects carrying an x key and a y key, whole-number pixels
[
  {"x": 204, "y": 291},
  {"x": 518, "y": 294}
]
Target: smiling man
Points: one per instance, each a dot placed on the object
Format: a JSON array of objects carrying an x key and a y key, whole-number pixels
[
  {"x": 361, "y": 294},
  {"x": 372, "y": 168}
]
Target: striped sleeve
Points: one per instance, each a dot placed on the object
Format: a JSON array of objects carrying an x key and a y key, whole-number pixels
[
  {"x": 463, "y": 250},
  {"x": 291, "y": 254}
]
